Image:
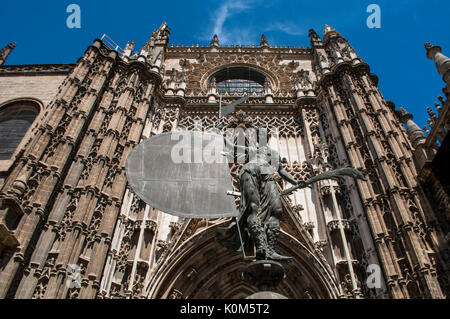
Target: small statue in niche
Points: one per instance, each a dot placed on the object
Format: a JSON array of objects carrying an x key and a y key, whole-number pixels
[{"x": 302, "y": 80}]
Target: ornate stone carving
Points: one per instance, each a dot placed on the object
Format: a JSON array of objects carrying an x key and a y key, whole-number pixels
[{"x": 68, "y": 178}]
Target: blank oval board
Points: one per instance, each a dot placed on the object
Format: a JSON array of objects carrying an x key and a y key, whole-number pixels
[{"x": 183, "y": 173}]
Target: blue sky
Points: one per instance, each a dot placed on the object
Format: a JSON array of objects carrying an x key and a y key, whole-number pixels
[{"x": 395, "y": 52}]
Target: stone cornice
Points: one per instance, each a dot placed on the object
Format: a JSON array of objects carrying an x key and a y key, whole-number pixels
[
  {"x": 108, "y": 53},
  {"x": 174, "y": 50},
  {"x": 36, "y": 69},
  {"x": 266, "y": 109}
]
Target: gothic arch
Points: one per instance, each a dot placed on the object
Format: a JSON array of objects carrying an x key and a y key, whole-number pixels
[
  {"x": 38, "y": 103},
  {"x": 16, "y": 119},
  {"x": 202, "y": 269}
]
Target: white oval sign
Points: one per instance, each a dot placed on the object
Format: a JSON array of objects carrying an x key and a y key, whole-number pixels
[{"x": 183, "y": 173}]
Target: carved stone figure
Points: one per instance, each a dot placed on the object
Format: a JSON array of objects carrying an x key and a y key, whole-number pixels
[{"x": 302, "y": 80}]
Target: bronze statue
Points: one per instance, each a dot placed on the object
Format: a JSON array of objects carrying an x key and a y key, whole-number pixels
[{"x": 260, "y": 209}]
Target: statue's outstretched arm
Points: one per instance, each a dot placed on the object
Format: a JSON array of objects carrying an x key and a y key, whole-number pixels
[{"x": 286, "y": 176}]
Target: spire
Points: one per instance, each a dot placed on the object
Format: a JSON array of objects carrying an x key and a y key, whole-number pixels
[
  {"x": 316, "y": 41},
  {"x": 6, "y": 51},
  {"x": 413, "y": 130},
  {"x": 162, "y": 34},
  {"x": 154, "y": 48},
  {"x": 159, "y": 37},
  {"x": 215, "y": 41},
  {"x": 442, "y": 62},
  {"x": 264, "y": 42}
]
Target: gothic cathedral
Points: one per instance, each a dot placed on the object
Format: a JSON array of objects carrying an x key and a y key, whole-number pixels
[{"x": 65, "y": 204}]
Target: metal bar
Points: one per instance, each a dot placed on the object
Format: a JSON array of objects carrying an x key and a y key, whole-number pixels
[
  {"x": 232, "y": 193},
  {"x": 220, "y": 107},
  {"x": 110, "y": 43},
  {"x": 240, "y": 238}
]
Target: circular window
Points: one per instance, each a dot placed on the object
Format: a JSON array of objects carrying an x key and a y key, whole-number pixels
[{"x": 239, "y": 81}]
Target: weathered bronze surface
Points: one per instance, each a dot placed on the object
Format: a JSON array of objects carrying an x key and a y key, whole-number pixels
[{"x": 260, "y": 210}]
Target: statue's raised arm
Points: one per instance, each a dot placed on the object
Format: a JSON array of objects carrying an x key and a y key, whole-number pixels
[{"x": 286, "y": 176}]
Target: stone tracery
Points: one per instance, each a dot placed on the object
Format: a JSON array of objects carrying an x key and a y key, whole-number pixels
[{"x": 327, "y": 113}]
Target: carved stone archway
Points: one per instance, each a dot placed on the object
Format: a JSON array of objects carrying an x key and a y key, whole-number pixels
[{"x": 202, "y": 269}]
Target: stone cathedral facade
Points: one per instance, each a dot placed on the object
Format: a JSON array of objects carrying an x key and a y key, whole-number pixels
[{"x": 67, "y": 131}]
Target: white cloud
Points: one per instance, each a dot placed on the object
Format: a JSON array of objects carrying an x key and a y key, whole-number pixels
[
  {"x": 286, "y": 27},
  {"x": 225, "y": 11},
  {"x": 245, "y": 32}
]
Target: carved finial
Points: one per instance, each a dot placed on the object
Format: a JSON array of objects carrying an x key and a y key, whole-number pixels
[
  {"x": 441, "y": 99},
  {"x": 161, "y": 36},
  {"x": 164, "y": 27},
  {"x": 432, "y": 50},
  {"x": 442, "y": 63},
  {"x": 414, "y": 132},
  {"x": 313, "y": 34},
  {"x": 404, "y": 115},
  {"x": 426, "y": 129},
  {"x": 433, "y": 117},
  {"x": 438, "y": 107},
  {"x": 215, "y": 41},
  {"x": 264, "y": 42},
  {"x": 316, "y": 41},
  {"x": 431, "y": 113},
  {"x": 327, "y": 29},
  {"x": 130, "y": 46},
  {"x": 329, "y": 32},
  {"x": 428, "y": 46},
  {"x": 128, "y": 51}
]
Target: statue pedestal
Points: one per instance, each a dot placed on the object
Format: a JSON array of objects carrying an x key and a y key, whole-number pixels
[{"x": 265, "y": 275}]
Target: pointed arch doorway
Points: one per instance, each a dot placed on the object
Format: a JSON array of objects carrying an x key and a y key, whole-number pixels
[{"x": 200, "y": 268}]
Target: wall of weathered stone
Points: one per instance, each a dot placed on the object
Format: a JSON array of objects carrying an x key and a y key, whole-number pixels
[{"x": 42, "y": 87}]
